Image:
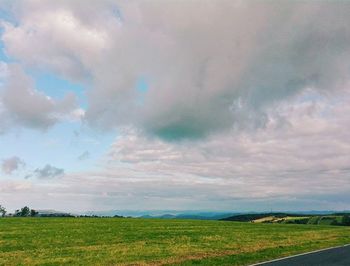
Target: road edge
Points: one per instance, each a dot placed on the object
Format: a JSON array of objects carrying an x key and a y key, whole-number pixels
[{"x": 298, "y": 255}]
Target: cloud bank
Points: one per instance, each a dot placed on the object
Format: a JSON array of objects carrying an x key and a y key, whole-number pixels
[{"x": 208, "y": 67}]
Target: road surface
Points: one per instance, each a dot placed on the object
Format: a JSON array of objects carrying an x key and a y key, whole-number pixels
[{"x": 339, "y": 256}]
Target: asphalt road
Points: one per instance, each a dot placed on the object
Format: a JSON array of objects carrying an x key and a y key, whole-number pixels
[{"x": 339, "y": 256}]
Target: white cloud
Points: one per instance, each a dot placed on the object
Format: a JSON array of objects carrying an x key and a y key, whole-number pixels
[
  {"x": 54, "y": 37},
  {"x": 3, "y": 71},
  {"x": 22, "y": 104}
]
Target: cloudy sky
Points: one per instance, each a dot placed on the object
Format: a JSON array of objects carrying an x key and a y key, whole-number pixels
[{"x": 183, "y": 105}]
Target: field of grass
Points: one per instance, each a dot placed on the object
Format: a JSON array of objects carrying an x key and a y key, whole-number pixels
[
  {"x": 287, "y": 220},
  {"x": 113, "y": 241}
]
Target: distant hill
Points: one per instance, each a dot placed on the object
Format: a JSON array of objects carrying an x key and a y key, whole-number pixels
[
  {"x": 200, "y": 216},
  {"x": 249, "y": 217},
  {"x": 287, "y": 218},
  {"x": 53, "y": 213}
]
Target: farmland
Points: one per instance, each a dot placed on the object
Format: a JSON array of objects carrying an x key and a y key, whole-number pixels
[
  {"x": 341, "y": 219},
  {"x": 113, "y": 241}
]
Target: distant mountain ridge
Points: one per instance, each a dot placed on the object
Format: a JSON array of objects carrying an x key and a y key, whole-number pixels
[
  {"x": 165, "y": 214},
  {"x": 189, "y": 216},
  {"x": 195, "y": 215}
]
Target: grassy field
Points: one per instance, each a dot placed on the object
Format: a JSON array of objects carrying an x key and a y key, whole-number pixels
[{"x": 112, "y": 241}]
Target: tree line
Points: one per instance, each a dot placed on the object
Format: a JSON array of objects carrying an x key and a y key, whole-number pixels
[
  {"x": 23, "y": 212},
  {"x": 27, "y": 212}
]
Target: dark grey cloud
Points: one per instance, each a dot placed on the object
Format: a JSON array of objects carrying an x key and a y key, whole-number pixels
[
  {"x": 9, "y": 165},
  {"x": 48, "y": 171}
]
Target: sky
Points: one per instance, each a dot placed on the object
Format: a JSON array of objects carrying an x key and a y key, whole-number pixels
[{"x": 175, "y": 105}]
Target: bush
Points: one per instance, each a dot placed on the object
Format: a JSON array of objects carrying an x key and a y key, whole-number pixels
[{"x": 346, "y": 220}]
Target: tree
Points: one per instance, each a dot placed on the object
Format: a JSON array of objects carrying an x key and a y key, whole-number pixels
[
  {"x": 24, "y": 212},
  {"x": 33, "y": 212},
  {"x": 2, "y": 211}
]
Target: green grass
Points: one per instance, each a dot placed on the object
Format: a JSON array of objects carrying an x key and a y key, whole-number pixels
[
  {"x": 314, "y": 220},
  {"x": 108, "y": 241}
]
